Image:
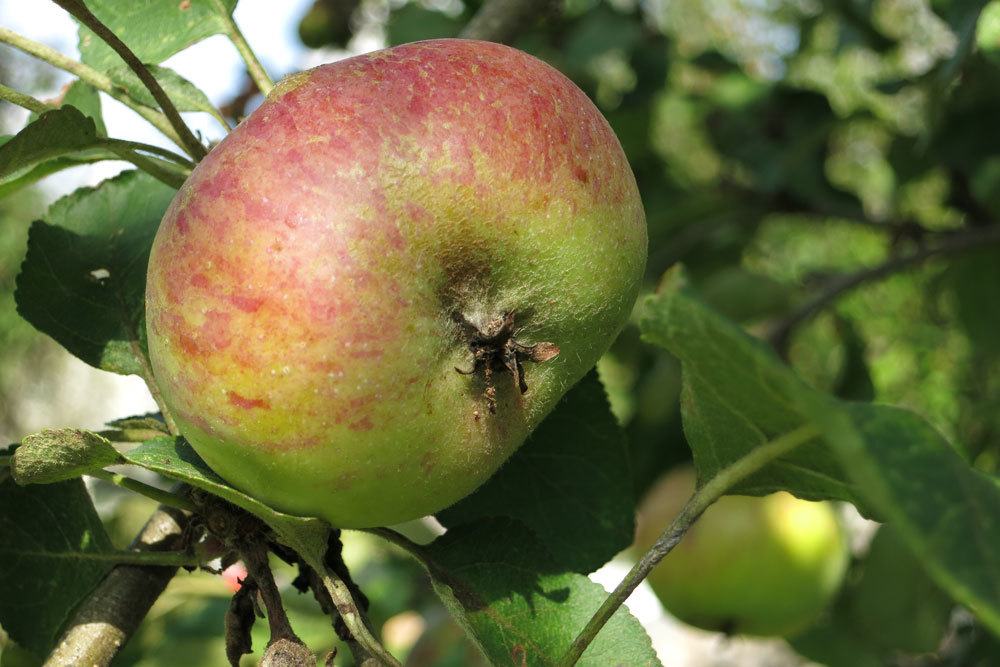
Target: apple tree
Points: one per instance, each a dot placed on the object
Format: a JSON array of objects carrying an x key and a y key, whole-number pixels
[{"x": 383, "y": 295}]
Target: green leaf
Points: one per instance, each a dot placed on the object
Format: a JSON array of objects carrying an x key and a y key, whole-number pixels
[
  {"x": 184, "y": 94},
  {"x": 55, "y": 134},
  {"x": 152, "y": 421},
  {"x": 500, "y": 584},
  {"x": 153, "y": 29},
  {"x": 947, "y": 512},
  {"x": 83, "y": 280},
  {"x": 84, "y": 98},
  {"x": 973, "y": 280},
  {"x": 895, "y": 606},
  {"x": 48, "y": 539},
  {"x": 570, "y": 484},
  {"x": 60, "y": 454},
  {"x": 176, "y": 459},
  {"x": 736, "y": 396},
  {"x": 888, "y": 606},
  {"x": 35, "y": 174}
]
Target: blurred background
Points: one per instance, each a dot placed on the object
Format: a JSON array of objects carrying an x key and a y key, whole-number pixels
[{"x": 781, "y": 146}]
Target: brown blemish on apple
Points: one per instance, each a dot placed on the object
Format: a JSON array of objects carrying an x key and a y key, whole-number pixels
[
  {"x": 494, "y": 348},
  {"x": 363, "y": 424}
]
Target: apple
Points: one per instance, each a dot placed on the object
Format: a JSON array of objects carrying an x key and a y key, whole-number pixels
[
  {"x": 760, "y": 566},
  {"x": 367, "y": 295}
]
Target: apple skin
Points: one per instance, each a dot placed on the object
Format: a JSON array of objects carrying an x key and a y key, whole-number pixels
[
  {"x": 303, "y": 286},
  {"x": 763, "y": 566}
]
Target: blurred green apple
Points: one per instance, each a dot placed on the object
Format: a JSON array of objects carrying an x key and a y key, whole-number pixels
[{"x": 758, "y": 566}]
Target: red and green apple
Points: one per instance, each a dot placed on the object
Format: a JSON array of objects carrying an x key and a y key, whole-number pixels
[{"x": 367, "y": 295}]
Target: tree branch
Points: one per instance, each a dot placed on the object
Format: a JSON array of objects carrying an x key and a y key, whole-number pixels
[
  {"x": 190, "y": 143},
  {"x": 112, "y": 613},
  {"x": 20, "y": 99},
  {"x": 953, "y": 244},
  {"x": 501, "y": 20}
]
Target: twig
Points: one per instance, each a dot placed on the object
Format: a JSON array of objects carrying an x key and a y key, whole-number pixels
[
  {"x": 190, "y": 142},
  {"x": 501, "y": 20},
  {"x": 255, "y": 558},
  {"x": 90, "y": 76},
  {"x": 714, "y": 489},
  {"x": 22, "y": 100},
  {"x": 159, "y": 495},
  {"x": 354, "y": 619},
  {"x": 158, "y": 169},
  {"x": 165, "y": 153},
  {"x": 311, "y": 579},
  {"x": 154, "y": 388},
  {"x": 838, "y": 287},
  {"x": 107, "y": 618},
  {"x": 254, "y": 66}
]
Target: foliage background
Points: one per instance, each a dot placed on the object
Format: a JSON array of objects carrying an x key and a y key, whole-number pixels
[{"x": 779, "y": 145}]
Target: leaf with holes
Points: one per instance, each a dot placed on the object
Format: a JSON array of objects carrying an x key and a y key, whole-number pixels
[
  {"x": 51, "y": 546},
  {"x": 83, "y": 280}
]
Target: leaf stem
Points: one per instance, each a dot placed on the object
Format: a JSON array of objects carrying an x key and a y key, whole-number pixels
[
  {"x": 714, "y": 489},
  {"x": 254, "y": 66},
  {"x": 90, "y": 76},
  {"x": 154, "y": 558},
  {"x": 343, "y": 601},
  {"x": 131, "y": 434},
  {"x": 352, "y": 617},
  {"x": 154, "y": 167},
  {"x": 165, "y": 153},
  {"x": 20, "y": 99},
  {"x": 159, "y": 495},
  {"x": 154, "y": 388},
  {"x": 190, "y": 143}
]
